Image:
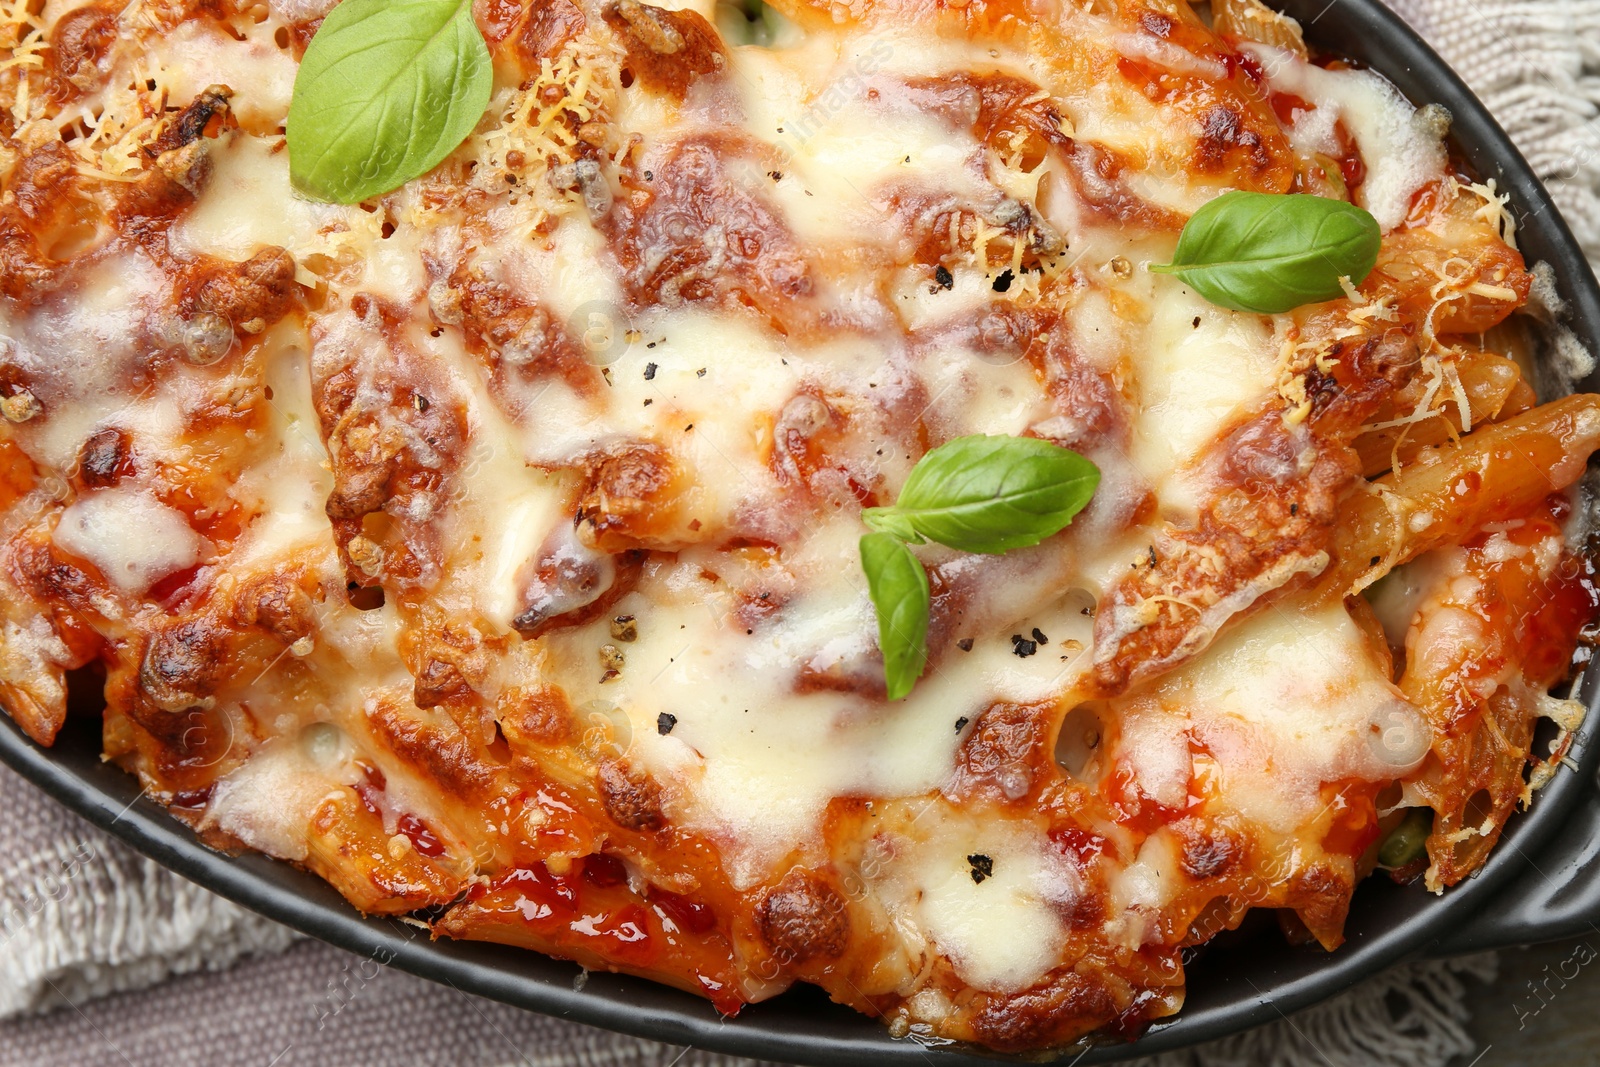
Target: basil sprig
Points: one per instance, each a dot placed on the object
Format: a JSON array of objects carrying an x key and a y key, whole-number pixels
[
  {"x": 1273, "y": 252},
  {"x": 975, "y": 494},
  {"x": 989, "y": 494},
  {"x": 899, "y": 588},
  {"x": 386, "y": 90}
]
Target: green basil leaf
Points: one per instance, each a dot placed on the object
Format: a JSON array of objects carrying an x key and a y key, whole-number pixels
[
  {"x": 1273, "y": 252},
  {"x": 989, "y": 494},
  {"x": 899, "y": 588},
  {"x": 386, "y": 90}
]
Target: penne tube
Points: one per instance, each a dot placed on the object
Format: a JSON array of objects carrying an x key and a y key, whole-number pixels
[
  {"x": 1251, "y": 20},
  {"x": 1493, "y": 387},
  {"x": 1450, "y": 491},
  {"x": 1490, "y": 634},
  {"x": 380, "y": 873},
  {"x": 1468, "y": 290},
  {"x": 1477, "y": 785},
  {"x": 1511, "y": 337},
  {"x": 1521, "y": 398}
]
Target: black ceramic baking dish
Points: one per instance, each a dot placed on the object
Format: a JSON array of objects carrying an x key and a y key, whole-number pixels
[{"x": 1542, "y": 882}]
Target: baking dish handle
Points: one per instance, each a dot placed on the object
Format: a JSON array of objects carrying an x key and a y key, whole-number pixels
[{"x": 1557, "y": 894}]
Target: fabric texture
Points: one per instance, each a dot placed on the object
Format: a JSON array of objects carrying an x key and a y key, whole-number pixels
[
  {"x": 1536, "y": 64},
  {"x": 107, "y": 958}
]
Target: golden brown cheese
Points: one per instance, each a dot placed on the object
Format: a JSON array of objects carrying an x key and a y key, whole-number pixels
[{"x": 491, "y": 546}]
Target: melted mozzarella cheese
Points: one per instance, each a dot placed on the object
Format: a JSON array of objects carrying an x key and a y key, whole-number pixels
[
  {"x": 839, "y": 151},
  {"x": 289, "y": 484},
  {"x": 1400, "y": 145},
  {"x": 134, "y": 539},
  {"x": 81, "y": 351},
  {"x": 1286, "y": 703},
  {"x": 269, "y": 801},
  {"x": 752, "y": 762},
  {"x": 1201, "y": 370},
  {"x": 1141, "y": 889},
  {"x": 989, "y": 894},
  {"x": 980, "y": 393},
  {"x": 1396, "y": 597},
  {"x": 255, "y": 170},
  {"x": 259, "y": 70}
]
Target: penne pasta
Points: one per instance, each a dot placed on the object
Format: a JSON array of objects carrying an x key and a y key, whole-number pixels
[
  {"x": 1490, "y": 635},
  {"x": 1492, "y": 387},
  {"x": 1451, "y": 490},
  {"x": 1251, "y": 20},
  {"x": 379, "y": 872}
]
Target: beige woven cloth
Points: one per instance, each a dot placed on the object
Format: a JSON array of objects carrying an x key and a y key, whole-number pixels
[{"x": 106, "y": 958}]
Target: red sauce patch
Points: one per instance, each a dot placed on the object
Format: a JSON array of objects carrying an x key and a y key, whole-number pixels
[{"x": 684, "y": 912}]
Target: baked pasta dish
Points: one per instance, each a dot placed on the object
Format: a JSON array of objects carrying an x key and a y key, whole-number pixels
[{"x": 952, "y": 501}]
